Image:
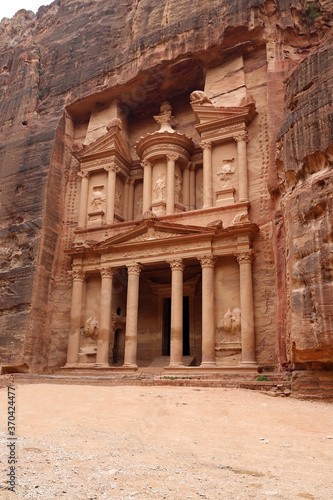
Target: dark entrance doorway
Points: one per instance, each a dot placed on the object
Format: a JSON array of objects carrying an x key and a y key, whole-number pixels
[{"x": 167, "y": 327}]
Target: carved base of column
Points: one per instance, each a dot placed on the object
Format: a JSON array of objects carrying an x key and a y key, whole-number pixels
[
  {"x": 129, "y": 366},
  {"x": 249, "y": 364},
  {"x": 208, "y": 364},
  {"x": 176, "y": 364},
  {"x": 101, "y": 365}
]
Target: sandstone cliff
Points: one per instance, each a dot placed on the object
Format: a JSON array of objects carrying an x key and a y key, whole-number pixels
[{"x": 73, "y": 55}]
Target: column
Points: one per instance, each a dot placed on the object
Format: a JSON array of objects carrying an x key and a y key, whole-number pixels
[
  {"x": 102, "y": 358},
  {"x": 131, "y": 335},
  {"x": 242, "y": 140},
  {"x": 75, "y": 320},
  {"x": 111, "y": 193},
  {"x": 125, "y": 199},
  {"x": 83, "y": 198},
  {"x": 207, "y": 174},
  {"x": 192, "y": 187},
  {"x": 131, "y": 200},
  {"x": 245, "y": 259},
  {"x": 186, "y": 186},
  {"x": 176, "y": 334},
  {"x": 208, "y": 311},
  {"x": 147, "y": 172},
  {"x": 170, "y": 198}
]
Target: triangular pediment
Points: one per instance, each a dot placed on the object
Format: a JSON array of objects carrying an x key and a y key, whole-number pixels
[
  {"x": 112, "y": 143},
  {"x": 151, "y": 231},
  {"x": 208, "y": 113}
]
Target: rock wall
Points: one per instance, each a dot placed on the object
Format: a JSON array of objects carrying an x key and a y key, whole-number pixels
[
  {"x": 73, "y": 55},
  {"x": 305, "y": 147}
]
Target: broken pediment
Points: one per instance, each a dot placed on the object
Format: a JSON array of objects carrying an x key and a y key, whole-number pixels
[
  {"x": 207, "y": 113},
  {"x": 110, "y": 144}
]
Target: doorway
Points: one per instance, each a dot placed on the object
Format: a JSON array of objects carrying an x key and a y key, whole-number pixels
[{"x": 166, "y": 328}]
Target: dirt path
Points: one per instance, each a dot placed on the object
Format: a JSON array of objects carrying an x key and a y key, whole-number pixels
[{"x": 83, "y": 442}]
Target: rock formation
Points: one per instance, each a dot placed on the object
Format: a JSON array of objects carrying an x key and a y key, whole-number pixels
[{"x": 61, "y": 73}]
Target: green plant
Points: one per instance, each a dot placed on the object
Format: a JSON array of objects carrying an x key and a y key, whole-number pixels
[
  {"x": 312, "y": 11},
  {"x": 40, "y": 71},
  {"x": 262, "y": 378},
  {"x": 40, "y": 94},
  {"x": 288, "y": 378},
  {"x": 37, "y": 53}
]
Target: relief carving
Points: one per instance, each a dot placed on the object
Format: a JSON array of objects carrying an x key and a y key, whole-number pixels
[
  {"x": 117, "y": 202},
  {"x": 178, "y": 188},
  {"x": 199, "y": 97},
  {"x": 90, "y": 328},
  {"x": 240, "y": 218},
  {"x": 159, "y": 189},
  {"x": 98, "y": 199},
  {"x": 229, "y": 328},
  {"x": 227, "y": 169}
]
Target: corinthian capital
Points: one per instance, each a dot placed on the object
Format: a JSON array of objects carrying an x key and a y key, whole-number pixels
[
  {"x": 83, "y": 174},
  {"x": 112, "y": 168},
  {"x": 206, "y": 260},
  {"x": 134, "y": 268},
  {"x": 145, "y": 163},
  {"x": 176, "y": 264},
  {"x": 172, "y": 157},
  {"x": 241, "y": 136},
  {"x": 205, "y": 145},
  {"x": 107, "y": 272},
  {"x": 77, "y": 274},
  {"x": 245, "y": 256}
]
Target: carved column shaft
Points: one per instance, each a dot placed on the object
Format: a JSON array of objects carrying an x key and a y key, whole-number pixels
[
  {"x": 176, "y": 334},
  {"x": 186, "y": 186},
  {"x": 131, "y": 200},
  {"x": 131, "y": 335},
  {"x": 83, "y": 199},
  {"x": 247, "y": 313},
  {"x": 111, "y": 194},
  {"x": 170, "y": 198},
  {"x": 192, "y": 187},
  {"x": 208, "y": 311},
  {"x": 207, "y": 175},
  {"x": 242, "y": 167},
  {"x": 103, "y": 341},
  {"x": 75, "y": 319},
  {"x": 125, "y": 199},
  {"x": 147, "y": 180}
]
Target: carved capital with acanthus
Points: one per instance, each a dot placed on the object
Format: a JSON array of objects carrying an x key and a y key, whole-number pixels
[
  {"x": 205, "y": 145},
  {"x": 176, "y": 264},
  {"x": 172, "y": 157},
  {"x": 83, "y": 174},
  {"x": 106, "y": 272},
  {"x": 112, "y": 168},
  {"x": 77, "y": 274},
  {"x": 207, "y": 260},
  {"x": 241, "y": 136},
  {"x": 145, "y": 163},
  {"x": 134, "y": 269},
  {"x": 245, "y": 256}
]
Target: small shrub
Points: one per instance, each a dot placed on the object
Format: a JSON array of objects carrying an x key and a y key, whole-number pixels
[
  {"x": 312, "y": 12},
  {"x": 40, "y": 94},
  {"x": 40, "y": 71},
  {"x": 262, "y": 378}
]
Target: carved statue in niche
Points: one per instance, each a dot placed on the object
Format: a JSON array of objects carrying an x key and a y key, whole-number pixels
[
  {"x": 98, "y": 199},
  {"x": 90, "y": 328},
  {"x": 159, "y": 189},
  {"x": 117, "y": 202},
  {"x": 178, "y": 188},
  {"x": 229, "y": 328},
  {"x": 227, "y": 169},
  {"x": 138, "y": 210}
]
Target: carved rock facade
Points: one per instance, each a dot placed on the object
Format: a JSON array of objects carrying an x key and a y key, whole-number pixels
[{"x": 164, "y": 150}]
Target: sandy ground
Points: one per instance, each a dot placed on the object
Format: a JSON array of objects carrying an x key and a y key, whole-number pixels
[{"x": 84, "y": 442}]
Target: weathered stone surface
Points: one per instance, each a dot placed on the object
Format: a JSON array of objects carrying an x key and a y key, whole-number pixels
[
  {"x": 305, "y": 175},
  {"x": 65, "y": 63}
]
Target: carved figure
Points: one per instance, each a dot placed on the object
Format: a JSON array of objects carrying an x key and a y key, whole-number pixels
[
  {"x": 178, "y": 188},
  {"x": 230, "y": 325},
  {"x": 165, "y": 117},
  {"x": 226, "y": 170},
  {"x": 90, "y": 328},
  {"x": 159, "y": 189},
  {"x": 98, "y": 197},
  {"x": 138, "y": 210},
  {"x": 200, "y": 97},
  {"x": 117, "y": 202},
  {"x": 242, "y": 217}
]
